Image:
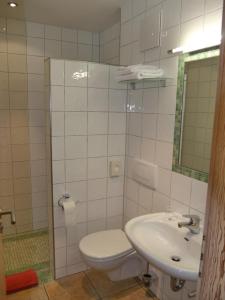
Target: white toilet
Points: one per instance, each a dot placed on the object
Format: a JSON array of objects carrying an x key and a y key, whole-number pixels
[{"x": 110, "y": 251}]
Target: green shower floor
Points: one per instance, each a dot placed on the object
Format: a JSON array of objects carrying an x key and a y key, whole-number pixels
[{"x": 28, "y": 251}]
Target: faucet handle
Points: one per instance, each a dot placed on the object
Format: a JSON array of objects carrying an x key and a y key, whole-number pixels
[{"x": 194, "y": 219}]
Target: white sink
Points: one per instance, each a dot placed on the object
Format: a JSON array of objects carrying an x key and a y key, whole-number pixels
[{"x": 158, "y": 239}]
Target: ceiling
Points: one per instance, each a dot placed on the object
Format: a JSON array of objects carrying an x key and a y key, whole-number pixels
[{"x": 91, "y": 15}]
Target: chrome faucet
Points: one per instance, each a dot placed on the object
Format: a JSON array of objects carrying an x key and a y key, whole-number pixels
[{"x": 193, "y": 224}]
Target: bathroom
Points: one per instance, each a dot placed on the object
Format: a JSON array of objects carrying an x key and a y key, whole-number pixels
[{"x": 84, "y": 155}]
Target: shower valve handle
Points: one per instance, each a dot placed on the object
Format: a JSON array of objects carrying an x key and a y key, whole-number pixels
[{"x": 8, "y": 212}]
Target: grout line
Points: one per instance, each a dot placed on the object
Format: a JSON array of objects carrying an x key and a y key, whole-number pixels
[{"x": 92, "y": 284}]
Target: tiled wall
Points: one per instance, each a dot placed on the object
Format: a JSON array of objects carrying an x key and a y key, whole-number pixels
[
  {"x": 200, "y": 102},
  {"x": 110, "y": 45},
  {"x": 23, "y": 47},
  {"x": 88, "y": 131},
  {"x": 151, "y": 111}
]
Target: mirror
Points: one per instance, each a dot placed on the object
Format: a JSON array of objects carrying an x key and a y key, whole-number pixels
[{"x": 196, "y": 97}]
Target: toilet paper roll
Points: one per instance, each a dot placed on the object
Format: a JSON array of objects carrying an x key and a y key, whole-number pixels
[{"x": 70, "y": 213}]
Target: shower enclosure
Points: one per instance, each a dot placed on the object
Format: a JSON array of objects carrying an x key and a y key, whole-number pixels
[
  {"x": 26, "y": 162},
  {"x": 25, "y": 169}
]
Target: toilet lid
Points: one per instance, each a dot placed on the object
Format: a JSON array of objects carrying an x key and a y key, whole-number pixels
[{"x": 105, "y": 245}]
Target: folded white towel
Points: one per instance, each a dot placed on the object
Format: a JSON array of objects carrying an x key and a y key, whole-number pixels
[
  {"x": 139, "y": 67},
  {"x": 139, "y": 76},
  {"x": 144, "y": 72}
]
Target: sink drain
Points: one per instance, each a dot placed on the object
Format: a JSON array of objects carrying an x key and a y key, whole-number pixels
[{"x": 176, "y": 258}]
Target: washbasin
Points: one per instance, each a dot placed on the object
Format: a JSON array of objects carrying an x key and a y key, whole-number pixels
[{"x": 175, "y": 251}]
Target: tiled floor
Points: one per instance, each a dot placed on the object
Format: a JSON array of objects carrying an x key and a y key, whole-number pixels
[
  {"x": 90, "y": 285},
  {"x": 28, "y": 251}
]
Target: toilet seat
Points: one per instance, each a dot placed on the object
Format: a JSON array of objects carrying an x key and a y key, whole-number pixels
[{"x": 105, "y": 245}]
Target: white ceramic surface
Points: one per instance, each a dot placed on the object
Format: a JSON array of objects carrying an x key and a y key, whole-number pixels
[{"x": 157, "y": 238}]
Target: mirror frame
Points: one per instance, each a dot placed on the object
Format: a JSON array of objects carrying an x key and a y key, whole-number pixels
[{"x": 192, "y": 56}]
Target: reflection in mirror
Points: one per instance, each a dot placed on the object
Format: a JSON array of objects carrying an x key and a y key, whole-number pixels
[{"x": 196, "y": 96}]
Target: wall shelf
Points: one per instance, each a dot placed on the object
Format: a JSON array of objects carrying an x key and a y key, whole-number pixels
[{"x": 155, "y": 82}]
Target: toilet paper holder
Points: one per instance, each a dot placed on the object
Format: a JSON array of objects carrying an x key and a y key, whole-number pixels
[{"x": 62, "y": 199}]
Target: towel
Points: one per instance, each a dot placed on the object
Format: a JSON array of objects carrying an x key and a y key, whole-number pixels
[
  {"x": 139, "y": 67},
  {"x": 138, "y": 72},
  {"x": 21, "y": 281},
  {"x": 139, "y": 76}
]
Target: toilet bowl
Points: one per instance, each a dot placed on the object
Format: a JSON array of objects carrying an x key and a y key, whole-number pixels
[{"x": 111, "y": 252}]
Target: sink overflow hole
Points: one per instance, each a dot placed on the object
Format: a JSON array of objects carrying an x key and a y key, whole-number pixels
[
  {"x": 186, "y": 239},
  {"x": 176, "y": 258}
]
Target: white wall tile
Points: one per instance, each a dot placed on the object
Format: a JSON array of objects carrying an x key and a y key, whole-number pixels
[
  {"x": 97, "y": 99},
  {"x": 164, "y": 153},
  {"x": 75, "y": 74},
  {"x": 167, "y": 100},
  {"x": 98, "y": 75},
  {"x": 134, "y": 146},
  {"x": 171, "y": 13},
  {"x": 57, "y": 73},
  {"x": 161, "y": 203},
  {"x": 52, "y": 32},
  {"x": 77, "y": 190},
  {"x": 97, "y": 145},
  {"x": 97, "y": 123},
  {"x": 148, "y": 150},
  {"x": 57, "y": 124},
  {"x": 192, "y": 34},
  {"x": 164, "y": 181},
  {"x": 57, "y": 98},
  {"x": 181, "y": 188},
  {"x": 58, "y": 170},
  {"x": 35, "y": 30},
  {"x": 115, "y": 186},
  {"x": 117, "y": 100},
  {"x": 69, "y": 50},
  {"x": 60, "y": 237},
  {"x": 76, "y": 170},
  {"x": 35, "y": 46},
  {"x": 146, "y": 198},
  {"x": 165, "y": 128},
  {"x": 53, "y": 48},
  {"x": 117, "y": 123},
  {"x": 97, "y": 168},
  {"x": 211, "y": 5},
  {"x": 135, "y": 124},
  {"x": 150, "y": 100},
  {"x": 76, "y": 123},
  {"x": 75, "y": 99},
  {"x": 115, "y": 206},
  {"x": 116, "y": 145},
  {"x": 58, "y": 148},
  {"x": 60, "y": 257},
  {"x": 96, "y": 225},
  {"x": 132, "y": 190},
  {"x": 170, "y": 39},
  {"x": 191, "y": 9},
  {"x": 74, "y": 235},
  {"x": 68, "y": 35},
  {"x": 96, "y": 209},
  {"x": 16, "y": 27},
  {"x": 149, "y": 123},
  {"x": 198, "y": 195},
  {"x": 97, "y": 189},
  {"x": 84, "y": 37},
  {"x": 35, "y": 65},
  {"x": 75, "y": 147},
  {"x": 85, "y": 52},
  {"x": 126, "y": 11}
]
